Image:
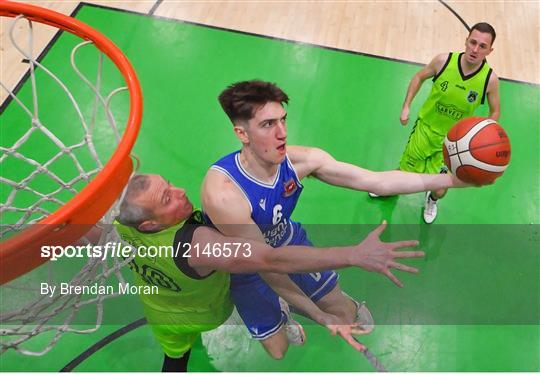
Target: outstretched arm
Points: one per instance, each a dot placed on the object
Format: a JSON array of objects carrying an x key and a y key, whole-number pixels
[
  {"x": 321, "y": 165},
  {"x": 371, "y": 254}
]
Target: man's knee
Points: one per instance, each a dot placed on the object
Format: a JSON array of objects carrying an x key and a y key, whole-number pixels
[
  {"x": 277, "y": 352},
  {"x": 276, "y": 345}
]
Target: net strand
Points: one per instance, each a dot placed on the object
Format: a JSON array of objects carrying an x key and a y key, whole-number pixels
[
  {"x": 35, "y": 121},
  {"x": 95, "y": 89}
]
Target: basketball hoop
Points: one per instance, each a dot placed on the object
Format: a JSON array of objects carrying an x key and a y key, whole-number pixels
[
  {"x": 20, "y": 253},
  {"x": 93, "y": 203}
]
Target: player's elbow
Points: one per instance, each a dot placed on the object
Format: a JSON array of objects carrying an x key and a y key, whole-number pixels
[
  {"x": 385, "y": 189},
  {"x": 419, "y": 78},
  {"x": 378, "y": 189},
  {"x": 378, "y": 183}
]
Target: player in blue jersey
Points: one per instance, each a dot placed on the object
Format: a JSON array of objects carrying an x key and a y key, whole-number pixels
[{"x": 252, "y": 193}]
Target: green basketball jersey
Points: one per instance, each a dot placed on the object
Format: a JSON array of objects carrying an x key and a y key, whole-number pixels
[
  {"x": 453, "y": 95},
  {"x": 199, "y": 300}
]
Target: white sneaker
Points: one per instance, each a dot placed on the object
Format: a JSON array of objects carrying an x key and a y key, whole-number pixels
[
  {"x": 371, "y": 194},
  {"x": 363, "y": 315},
  {"x": 430, "y": 209},
  {"x": 293, "y": 329}
]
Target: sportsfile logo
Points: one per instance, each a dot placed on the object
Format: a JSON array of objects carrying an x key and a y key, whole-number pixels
[
  {"x": 120, "y": 250},
  {"x": 110, "y": 249}
]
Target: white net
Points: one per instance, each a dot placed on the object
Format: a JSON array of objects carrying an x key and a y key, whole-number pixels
[{"x": 48, "y": 154}]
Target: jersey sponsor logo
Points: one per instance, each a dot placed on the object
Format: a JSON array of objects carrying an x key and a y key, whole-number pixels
[
  {"x": 472, "y": 96},
  {"x": 154, "y": 276},
  {"x": 450, "y": 111},
  {"x": 262, "y": 204},
  {"x": 461, "y": 87},
  {"x": 290, "y": 187},
  {"x": 275, "y": 234},
  {"x": 444, "y": 86}
]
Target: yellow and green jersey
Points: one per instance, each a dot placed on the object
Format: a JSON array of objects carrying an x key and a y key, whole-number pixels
[
  {"x": 454, "y": 95},
  {"x": 183, "y": 294}
]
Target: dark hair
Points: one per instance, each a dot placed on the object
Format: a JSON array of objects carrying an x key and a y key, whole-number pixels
[
  {"x": 241, "y": 99},
  {"x": 484, "y": 27},
  {"x": 131, "y": 214}
]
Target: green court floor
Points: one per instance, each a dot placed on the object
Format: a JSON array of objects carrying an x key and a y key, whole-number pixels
[{"x": 475, "y": 304}]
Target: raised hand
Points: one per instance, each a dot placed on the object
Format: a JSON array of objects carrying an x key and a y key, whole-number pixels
[{"x": 336, "y": 327}]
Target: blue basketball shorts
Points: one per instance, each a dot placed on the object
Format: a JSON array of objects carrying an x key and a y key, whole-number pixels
[{"x": 258, "y": 304}]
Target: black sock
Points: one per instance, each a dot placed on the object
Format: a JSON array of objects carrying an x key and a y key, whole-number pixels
[{"x": 176, "y": 364}]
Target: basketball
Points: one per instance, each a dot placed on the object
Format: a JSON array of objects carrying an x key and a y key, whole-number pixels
[{"x": 477, "y": 150}]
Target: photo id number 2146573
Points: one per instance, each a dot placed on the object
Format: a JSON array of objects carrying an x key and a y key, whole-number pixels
[{"x": 217, "y": 250}]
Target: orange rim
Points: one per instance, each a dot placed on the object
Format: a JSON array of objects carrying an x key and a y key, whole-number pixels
[{"x": 21, "y": 253}]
